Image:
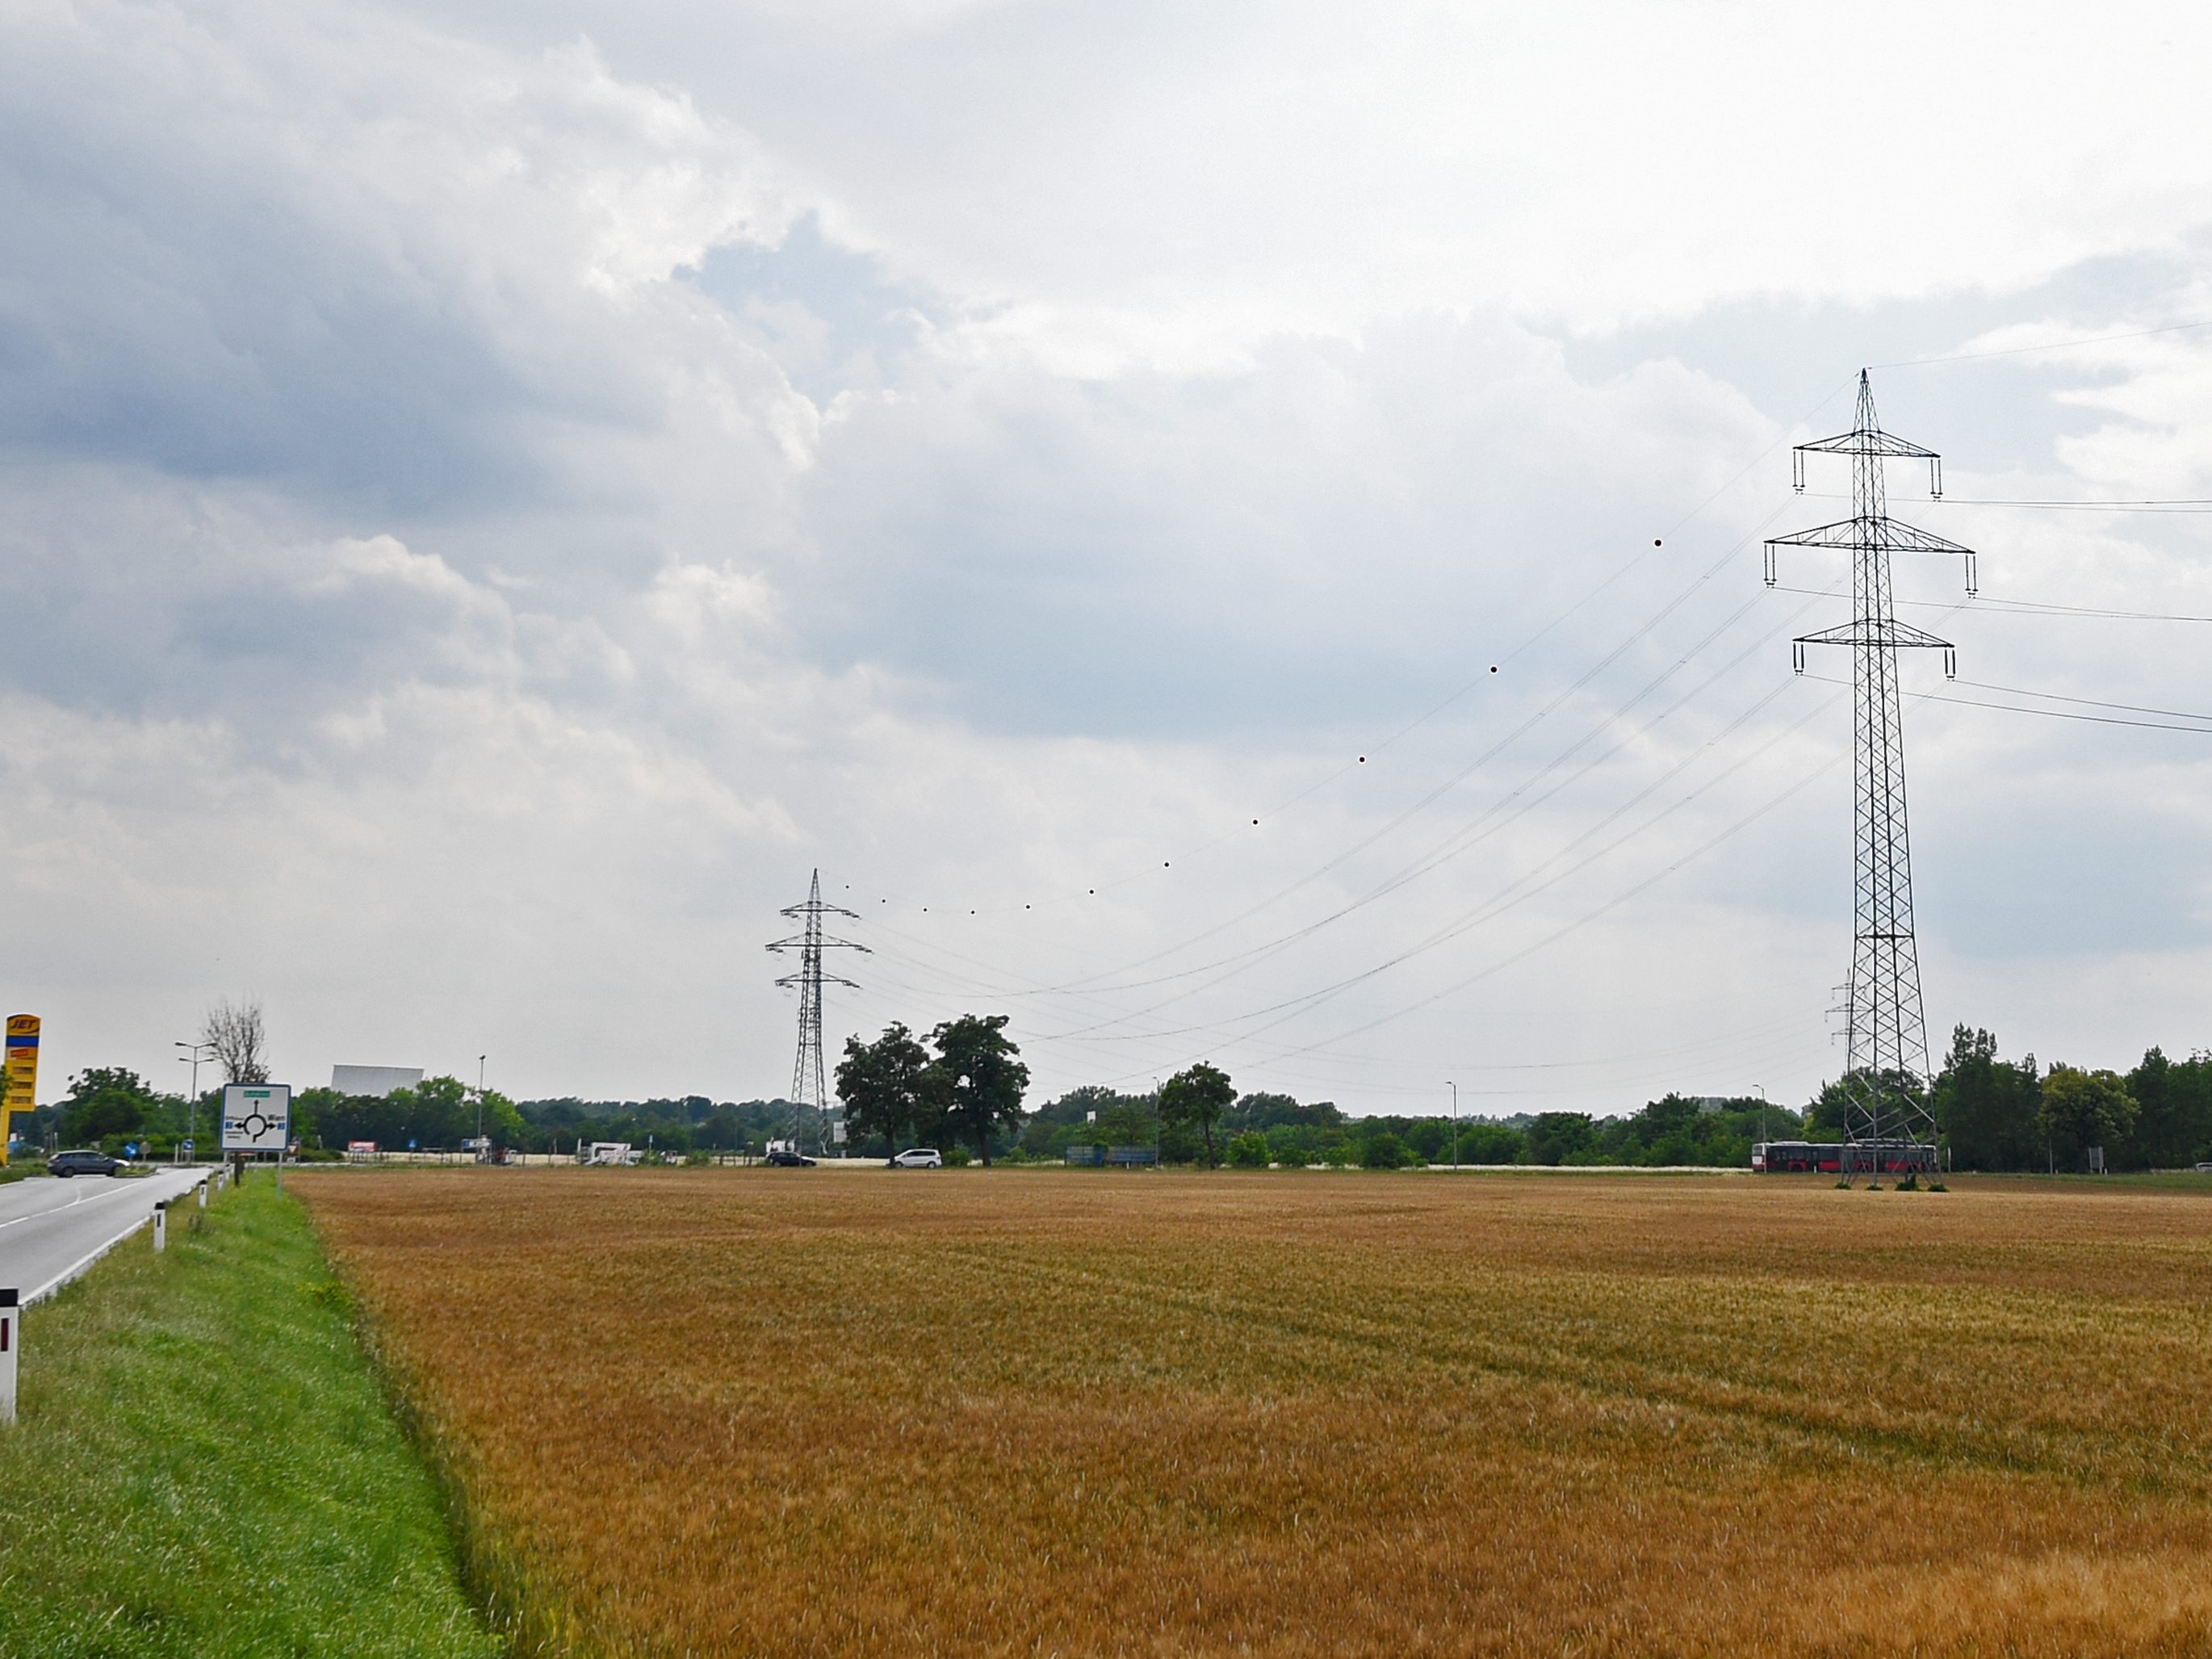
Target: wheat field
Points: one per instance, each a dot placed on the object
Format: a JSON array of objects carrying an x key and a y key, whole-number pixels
[{"x": 767, "y": 1412}]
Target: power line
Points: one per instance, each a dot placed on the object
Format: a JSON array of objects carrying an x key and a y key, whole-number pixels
[
  {"x": 2049, "y": 713},
  {"x": 2087, "y": 702},
  {"x": 2031, "y": 608},
  {"x": 2056, "y": 345}
]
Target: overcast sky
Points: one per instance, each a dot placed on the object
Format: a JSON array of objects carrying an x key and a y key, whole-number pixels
[{"x": 493, "y": 496}]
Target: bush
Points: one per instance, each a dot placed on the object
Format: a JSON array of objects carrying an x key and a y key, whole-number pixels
[
  {"x": 958, "y": 1158},
  {"x": 1383, "y": 1151},
  {"x": 1250, "y": 1151}
]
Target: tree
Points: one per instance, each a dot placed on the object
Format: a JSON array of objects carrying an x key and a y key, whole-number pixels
[
  {"x": 975, "y": 1082},
  {"x": 2174, "y": 1129},
  {"x": 1554, "y": 1136},
  {"x": 1196, "y": 1099},
  {"x": 103, "y": 1101},
  {"x": 235, "y": 1032},
  {"x": 1249, "y": 1150},
  {"x": 880, "y": 1085},
  {"x": 1989, "y": 1109},
  {"x": 1383, "y": 1151},
  {"x": 2086, "y": 1108}
]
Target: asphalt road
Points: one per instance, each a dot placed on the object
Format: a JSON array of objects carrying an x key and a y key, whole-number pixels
[{"x": 50, "y": 1227}]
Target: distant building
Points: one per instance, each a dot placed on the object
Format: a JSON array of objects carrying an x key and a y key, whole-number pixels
[{"x": 377, "y": 1081}]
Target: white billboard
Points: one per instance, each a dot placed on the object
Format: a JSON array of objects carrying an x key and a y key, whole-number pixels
[{"x": 257, "y": 1117}]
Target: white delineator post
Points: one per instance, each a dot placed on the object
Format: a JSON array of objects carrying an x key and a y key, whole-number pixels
[
  {"x": 11, "y": 1330},
  {"x": 160, "y": 1228},
  {"x": 204, "y": 1186}
]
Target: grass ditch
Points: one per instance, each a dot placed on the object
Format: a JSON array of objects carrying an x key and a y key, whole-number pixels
[{"x": 205, "y": 1463}]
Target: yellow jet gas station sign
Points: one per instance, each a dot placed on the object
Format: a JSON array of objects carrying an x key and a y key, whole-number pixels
[{"x": 22, "y": 1078}]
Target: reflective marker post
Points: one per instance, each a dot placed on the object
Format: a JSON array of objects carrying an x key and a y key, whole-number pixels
[
  {"x": 161, "y": 1227},
  {"x": 204, "y": 1186},
  {"x": 11, "y": 1324}
]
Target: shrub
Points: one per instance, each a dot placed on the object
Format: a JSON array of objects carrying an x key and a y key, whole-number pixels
[
  {"x": 1383, "y": 1151},
  {"x": 1250, "y": 1151},
  {"x": 958, "y": 1158}
]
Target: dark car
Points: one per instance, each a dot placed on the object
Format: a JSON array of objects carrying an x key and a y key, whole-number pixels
[
  {"x": 789, "y": 1160},
  {"x": 85, "y": 1162}
]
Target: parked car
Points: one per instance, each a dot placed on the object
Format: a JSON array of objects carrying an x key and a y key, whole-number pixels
[
  {"x": 783, "y": 1159},
  {"x": 2204, "y": 1168},
  {"x": 85, "y": 1161},
  {"x": 919, "y": 1158}
]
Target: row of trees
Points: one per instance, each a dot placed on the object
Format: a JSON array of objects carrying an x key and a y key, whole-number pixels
[
  {"x": 966, "y": 1082},
  {"x": 967, "y": 1085},
  {"x": 1997, "y": 1114}
]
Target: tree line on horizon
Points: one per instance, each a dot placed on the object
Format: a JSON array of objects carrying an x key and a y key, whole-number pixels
[{"x": 963, "y": 1086}]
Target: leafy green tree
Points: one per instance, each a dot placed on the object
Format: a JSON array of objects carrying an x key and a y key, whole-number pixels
[
  {"x": 103, "y": 1101},
  {"x": 1382, "y": 1150},
  {"x": 1265, "y": 1111},
  {"x": 1249, "y": 1150},
  {"x": 2173, "y": 1129},
  {"x": 1554, "y": 1137},
  {"x": 2082, "y": 1109},
  {"x": 1989, "y": 1110},
  {"x": 1489, "y": 1143},
  {"x": 975, "y": 1084},
  {"x": 880, "y": 1085},
  {"x": 1195, "y": 1098}
]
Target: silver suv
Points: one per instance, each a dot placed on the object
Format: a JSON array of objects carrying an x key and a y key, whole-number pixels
[{"x": 919, "y": 1158}]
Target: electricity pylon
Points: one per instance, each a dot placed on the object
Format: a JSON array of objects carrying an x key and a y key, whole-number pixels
[
  {"x": 1886, "y": 1029},
  {"x": 809, "y": 1087}
]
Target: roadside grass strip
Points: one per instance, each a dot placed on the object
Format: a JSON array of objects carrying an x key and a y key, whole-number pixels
[{"x": 205, "y": 1464}]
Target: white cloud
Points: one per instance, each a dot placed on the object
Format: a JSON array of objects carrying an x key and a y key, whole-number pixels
[{"x": 488, "y": 510}]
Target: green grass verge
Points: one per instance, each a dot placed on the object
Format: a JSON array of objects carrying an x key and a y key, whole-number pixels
[{"x": 206, "y": 1465}]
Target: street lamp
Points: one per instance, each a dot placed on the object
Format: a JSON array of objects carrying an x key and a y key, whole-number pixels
[
  {"x": 192, "y": 1106},
  {"x": 480, "y": 1141},
  {"x": 1454, "y": 1087}
]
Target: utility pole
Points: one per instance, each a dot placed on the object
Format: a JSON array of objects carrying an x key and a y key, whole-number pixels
[
  {"x": 1886, "y": 1029},
  {"x": 809, "y": 1084},
  {"x": 1454, "y": 1087}
]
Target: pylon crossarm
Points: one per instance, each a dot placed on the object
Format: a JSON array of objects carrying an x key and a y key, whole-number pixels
[
  {"x": 817, "y": 909},
  {"x": 1853, "y": 533},
  {"x": 800, "y": 942},
  {"x": 1863, "y": 443},
  {"x": 1884, "y": 631}
]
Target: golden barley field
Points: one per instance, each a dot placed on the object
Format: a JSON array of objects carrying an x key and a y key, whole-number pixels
[{"x": 1023, "y": 1411}]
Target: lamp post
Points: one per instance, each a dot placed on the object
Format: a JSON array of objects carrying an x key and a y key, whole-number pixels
[
  {"x": 1454, "y": 1087},
  {"x": 1761, "y": 1087},
  {"x": 192, "y": 1106},
  {"x": 480, "y": 1145}
]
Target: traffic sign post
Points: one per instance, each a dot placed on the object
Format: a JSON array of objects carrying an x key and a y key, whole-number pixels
[
  {"x": 11, "y": 1326},
  {"x": 257, "y": 1117}
]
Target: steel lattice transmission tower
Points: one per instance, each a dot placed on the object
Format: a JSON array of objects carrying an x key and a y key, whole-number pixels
[
  {"x": 809, "y": 1085},
  {"x": 1885, "y": 1030}
]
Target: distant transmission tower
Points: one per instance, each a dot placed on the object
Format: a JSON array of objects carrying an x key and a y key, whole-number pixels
[
  {"x": 1886, "y": 1029},
  {"x": 808, "y": 1088}
]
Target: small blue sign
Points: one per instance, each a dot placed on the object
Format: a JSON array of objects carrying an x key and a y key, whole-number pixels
[
  {"x": 130, "y": 1149},
  {"x": 188, "y": 1146},
  {"x": 410, "y": 1146}
]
